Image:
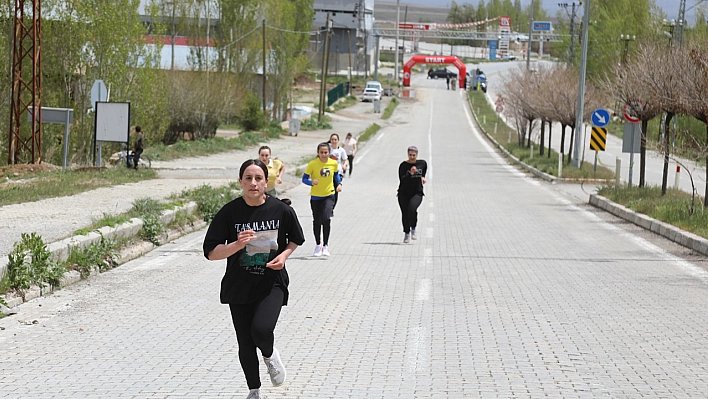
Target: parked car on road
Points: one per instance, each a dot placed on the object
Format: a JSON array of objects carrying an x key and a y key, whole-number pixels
[
  {"x": 372, "y": 84},
  {"x": 371, "y": 94},
  {"x": 509, "y": 56},
  {"x": 441, "y": 73}
]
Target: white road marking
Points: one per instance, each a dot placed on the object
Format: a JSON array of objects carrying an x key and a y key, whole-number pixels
[
  {"x": 423, "y": 292},
  {"x": 431, "y": 217},
  {"x": 417, "y": 352}
]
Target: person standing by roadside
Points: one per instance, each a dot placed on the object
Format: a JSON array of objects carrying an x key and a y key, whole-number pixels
[
  {"x": 447, "y": 79},
  {"x": 256, "y": 233},
  {"x": 349, "y": 145},
  {"x": 276, "y": 169},
  {"x": 322, "y": 175},
  {"x": 411, "y": 176},
  {"x": 138, "y": 147}
]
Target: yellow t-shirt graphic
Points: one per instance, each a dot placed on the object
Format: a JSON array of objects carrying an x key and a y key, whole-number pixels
[{"x": 324, "y": 172}]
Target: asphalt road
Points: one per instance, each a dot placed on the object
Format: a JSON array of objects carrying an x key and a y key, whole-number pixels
[{"x": 515, "y": 289}]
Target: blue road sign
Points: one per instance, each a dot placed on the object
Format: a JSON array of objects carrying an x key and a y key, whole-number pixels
[
  {"x": 541, "y": 26},
  {"x": 600, "y": 117}
]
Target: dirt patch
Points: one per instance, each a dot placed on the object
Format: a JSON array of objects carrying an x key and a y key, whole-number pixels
[{"x": 22, "y": 170}]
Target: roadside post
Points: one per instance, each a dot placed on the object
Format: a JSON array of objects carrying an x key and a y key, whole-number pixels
[
  {"x": 618, "y": 169},
  {"x": 598, "y": 138},
  {"x": 499, "y": 107},
  {"x": 632, "y": 137}
]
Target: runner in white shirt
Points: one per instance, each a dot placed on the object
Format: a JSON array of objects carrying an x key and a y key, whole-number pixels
[
  {"x": 340, "y": 155},
  {"x": 349, "y": 145}
]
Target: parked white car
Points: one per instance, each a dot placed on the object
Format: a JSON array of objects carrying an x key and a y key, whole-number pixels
[
  {"x": 372, "y": 84},
  {"x": 371, "y": 94}
]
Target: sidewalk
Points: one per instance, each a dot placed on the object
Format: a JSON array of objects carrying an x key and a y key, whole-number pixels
[{"x": 58, "y": 218}]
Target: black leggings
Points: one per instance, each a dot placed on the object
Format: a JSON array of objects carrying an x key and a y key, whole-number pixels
[
  {"x": 254, "y": 324},
  {"x": 351, "y": 163},
  {"x": 409, "y": 211},
  {"x": 322, "y": 218}
]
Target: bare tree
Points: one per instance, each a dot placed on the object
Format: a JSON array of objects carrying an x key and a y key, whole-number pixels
[
  {"x": 625, "y": 85},
  {"x": 697, "y": 96},
  {"x": 665, "y": 73}
]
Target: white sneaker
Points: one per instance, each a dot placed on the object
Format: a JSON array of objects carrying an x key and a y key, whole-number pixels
[
  {"x": 318, "y": 251},
  {"x": 254, "y": 394},
  {"x": 275, "y": 368},
  {"x": 325, "y": 250},
  {"x": 407, "y": 238},
  {"x": 414, "y": 236}
]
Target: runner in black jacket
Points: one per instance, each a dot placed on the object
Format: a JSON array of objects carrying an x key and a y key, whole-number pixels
[{"x": 411, "y": 175}]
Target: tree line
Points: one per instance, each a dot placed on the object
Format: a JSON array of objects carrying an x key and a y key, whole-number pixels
[
  {"x": 119, "y": 43},
  {"x": 656, "y": 80}
]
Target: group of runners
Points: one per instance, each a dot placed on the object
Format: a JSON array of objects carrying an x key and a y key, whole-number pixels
[{"x": 257, "y": 232}]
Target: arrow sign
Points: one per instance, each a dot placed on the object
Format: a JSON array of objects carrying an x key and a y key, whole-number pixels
[{"x": 600, "y": 117}]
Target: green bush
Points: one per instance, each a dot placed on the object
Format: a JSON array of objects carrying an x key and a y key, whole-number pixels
[
  {"x": 274, "y": 129},
  {"x": 313, "y": 124},
  {"x": 209, "y": 199},
  {"x": 30, "y": 263},
  {"x": 96, "y": 256},
  {"x": 369, "y": 132},
  {"x": 389, "y": 108},
  {"x": 251, "y": 117},
  {"x": 152, "y": 228},
  {"x": 149, "y": 210}
]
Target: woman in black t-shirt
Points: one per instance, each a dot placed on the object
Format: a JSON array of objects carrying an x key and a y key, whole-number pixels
[
  {"x": 256, "y": 233},
  {"x": 411, "y": 176}
]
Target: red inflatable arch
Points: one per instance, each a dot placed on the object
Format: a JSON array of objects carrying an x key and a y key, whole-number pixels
[{"x": 431, "y": 59}]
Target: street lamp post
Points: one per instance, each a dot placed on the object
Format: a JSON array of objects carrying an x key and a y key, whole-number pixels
[{"x": 626, "y": 39}]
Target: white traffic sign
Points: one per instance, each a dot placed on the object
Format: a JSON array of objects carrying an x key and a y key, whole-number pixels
[
  {"x": 98, "y": 92},
  {"x": 500, "y": 108},
  {"x": 630, "y": 110}
]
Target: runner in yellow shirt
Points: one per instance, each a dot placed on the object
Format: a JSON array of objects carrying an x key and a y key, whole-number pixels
[
  {"x": 276, "y": 169},
  {"x": 322, "y": 175}
]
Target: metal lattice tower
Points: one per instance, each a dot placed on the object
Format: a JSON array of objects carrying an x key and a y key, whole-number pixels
[{"x": 26, "y": 146}]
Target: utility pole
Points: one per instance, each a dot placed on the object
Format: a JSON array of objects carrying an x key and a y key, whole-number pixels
[
  {"x": 398, "y": 22},
  {"x": 405, "y": 21},
  {"x": 626, "y": 39},
  {"x": 264, "y": 70},
  {"x": 376, "y": 57},
  {"x": 325, "y": 59},
  {"x": 577, "y": 148},
  {"x": 681, "y": 22},
  {"x": 528, "y": 48},
  {"x": 571, "y": 50},
  {"x": 174, "y": 34}
]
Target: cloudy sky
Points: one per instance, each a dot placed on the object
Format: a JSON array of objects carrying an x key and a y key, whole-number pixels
[{"x": 670, "y": 7}]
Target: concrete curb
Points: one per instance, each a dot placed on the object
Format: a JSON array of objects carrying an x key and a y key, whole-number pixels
[
  {"x": 542, "y": 175},
  {"x": 675, "y": 234},
  {"x": 60, "y": 250}
]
